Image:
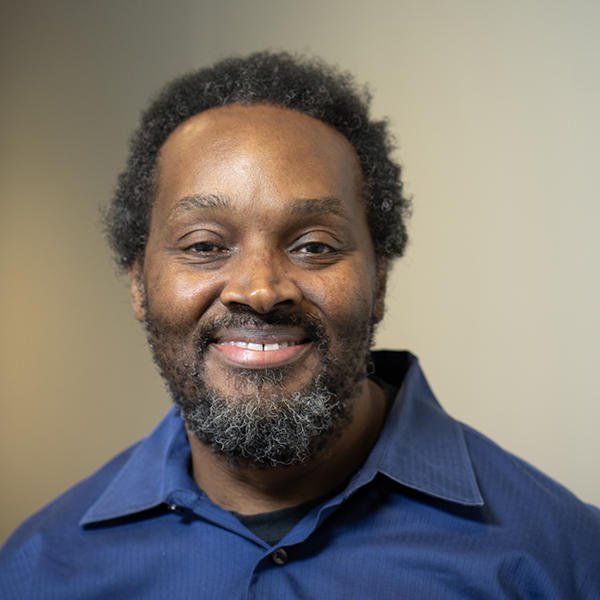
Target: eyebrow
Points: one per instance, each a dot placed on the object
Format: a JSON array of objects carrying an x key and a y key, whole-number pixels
[
  {"x": 195, "y": 202},
  {"x": 301, "y": 207},
  {"x": 306, "y": 207}
]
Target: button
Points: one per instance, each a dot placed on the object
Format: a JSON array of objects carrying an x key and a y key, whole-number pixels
[{"x": 279, "y": 557}]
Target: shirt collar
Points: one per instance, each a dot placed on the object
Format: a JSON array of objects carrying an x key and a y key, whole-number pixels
[
  {"x": 420, "y": 447},
  {"x": 156, "y": 467}
]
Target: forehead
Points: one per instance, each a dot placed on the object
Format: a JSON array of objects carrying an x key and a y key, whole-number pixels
[{"x": 255, "y": 153}]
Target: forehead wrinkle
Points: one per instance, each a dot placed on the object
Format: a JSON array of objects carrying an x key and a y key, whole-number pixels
[{"x": 194, "y": 202}]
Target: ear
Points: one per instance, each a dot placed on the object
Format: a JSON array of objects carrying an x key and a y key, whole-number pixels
[
  {"x": 381, "y": 269},
  {"x": 137, "y": 292}
]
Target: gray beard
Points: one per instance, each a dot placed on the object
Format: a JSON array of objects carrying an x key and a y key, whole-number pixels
[
  {"x": 271, "y": 429},
  {"x": 267, "y": 426}
]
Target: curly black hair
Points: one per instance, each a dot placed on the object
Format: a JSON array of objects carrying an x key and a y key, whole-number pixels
[{"x": 306, "y": 85}]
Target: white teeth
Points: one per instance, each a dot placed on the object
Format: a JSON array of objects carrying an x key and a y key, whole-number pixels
[
  {"x": 276, "y": 346},
  {"x": 258, "y": 347},
  {"x": 238, "y": 344}
]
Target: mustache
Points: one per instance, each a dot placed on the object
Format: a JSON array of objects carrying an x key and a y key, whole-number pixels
[{"x": 312, "y": 326}]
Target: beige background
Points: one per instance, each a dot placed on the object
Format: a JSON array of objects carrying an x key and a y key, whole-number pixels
[{"x": 495, "y": 108}]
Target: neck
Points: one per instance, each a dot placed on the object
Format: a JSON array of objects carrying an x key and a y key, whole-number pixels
[{"x": 248, "y": 489}]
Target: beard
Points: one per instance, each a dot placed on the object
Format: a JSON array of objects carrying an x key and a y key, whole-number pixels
[{"x": 263, "y": 423}]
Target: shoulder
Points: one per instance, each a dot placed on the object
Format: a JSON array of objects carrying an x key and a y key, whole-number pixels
[
  {"x": 54, "y": 526},
  {"x": 502, "y": 474},
  {"x": 531, "y": 511}
]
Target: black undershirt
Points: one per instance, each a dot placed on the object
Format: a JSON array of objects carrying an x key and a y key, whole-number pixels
[{"x": 274, "y": 526}]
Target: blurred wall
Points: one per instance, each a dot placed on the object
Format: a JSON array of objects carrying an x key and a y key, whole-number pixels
[{"x": 495, "y": 110}]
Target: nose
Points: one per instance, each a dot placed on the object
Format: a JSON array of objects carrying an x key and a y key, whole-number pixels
[{"x": 261, "y": 282}]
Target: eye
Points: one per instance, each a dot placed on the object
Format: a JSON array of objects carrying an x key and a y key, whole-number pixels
[
  {"x": 315, "y": 248},
  {"x": 206, "y": 252},
  {"x": 204, "y": 248}
]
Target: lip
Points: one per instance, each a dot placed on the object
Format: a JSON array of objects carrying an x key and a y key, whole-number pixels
[{"x": 261, "y": 348}]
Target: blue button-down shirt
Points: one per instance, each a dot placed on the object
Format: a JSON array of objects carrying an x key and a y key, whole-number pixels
[{"x": 436, "y": 511}]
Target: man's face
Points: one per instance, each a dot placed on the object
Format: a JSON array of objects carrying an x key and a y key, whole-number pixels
[{"x": 259, "y": 285}]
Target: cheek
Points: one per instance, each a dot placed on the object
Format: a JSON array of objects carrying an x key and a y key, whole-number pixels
[
  {"x": 177, "y": 297},
  {"x": 345, "y": 296}
]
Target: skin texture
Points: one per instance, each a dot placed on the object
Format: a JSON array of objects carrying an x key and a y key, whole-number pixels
[{"x": 259, "y": 209}]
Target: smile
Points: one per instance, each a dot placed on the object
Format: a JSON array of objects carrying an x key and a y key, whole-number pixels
[
  {"x": 260, "y": 353},
  {"x": 260, "y": 347}
]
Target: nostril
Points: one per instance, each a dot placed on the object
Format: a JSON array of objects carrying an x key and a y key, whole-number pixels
[{"x": 261, "y": 294}]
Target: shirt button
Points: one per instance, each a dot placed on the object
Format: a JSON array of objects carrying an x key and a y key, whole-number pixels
[{"x": 279, "y": 557}]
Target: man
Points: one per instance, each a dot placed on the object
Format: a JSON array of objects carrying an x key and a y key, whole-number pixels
[{"x": 257, "y": 218}]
